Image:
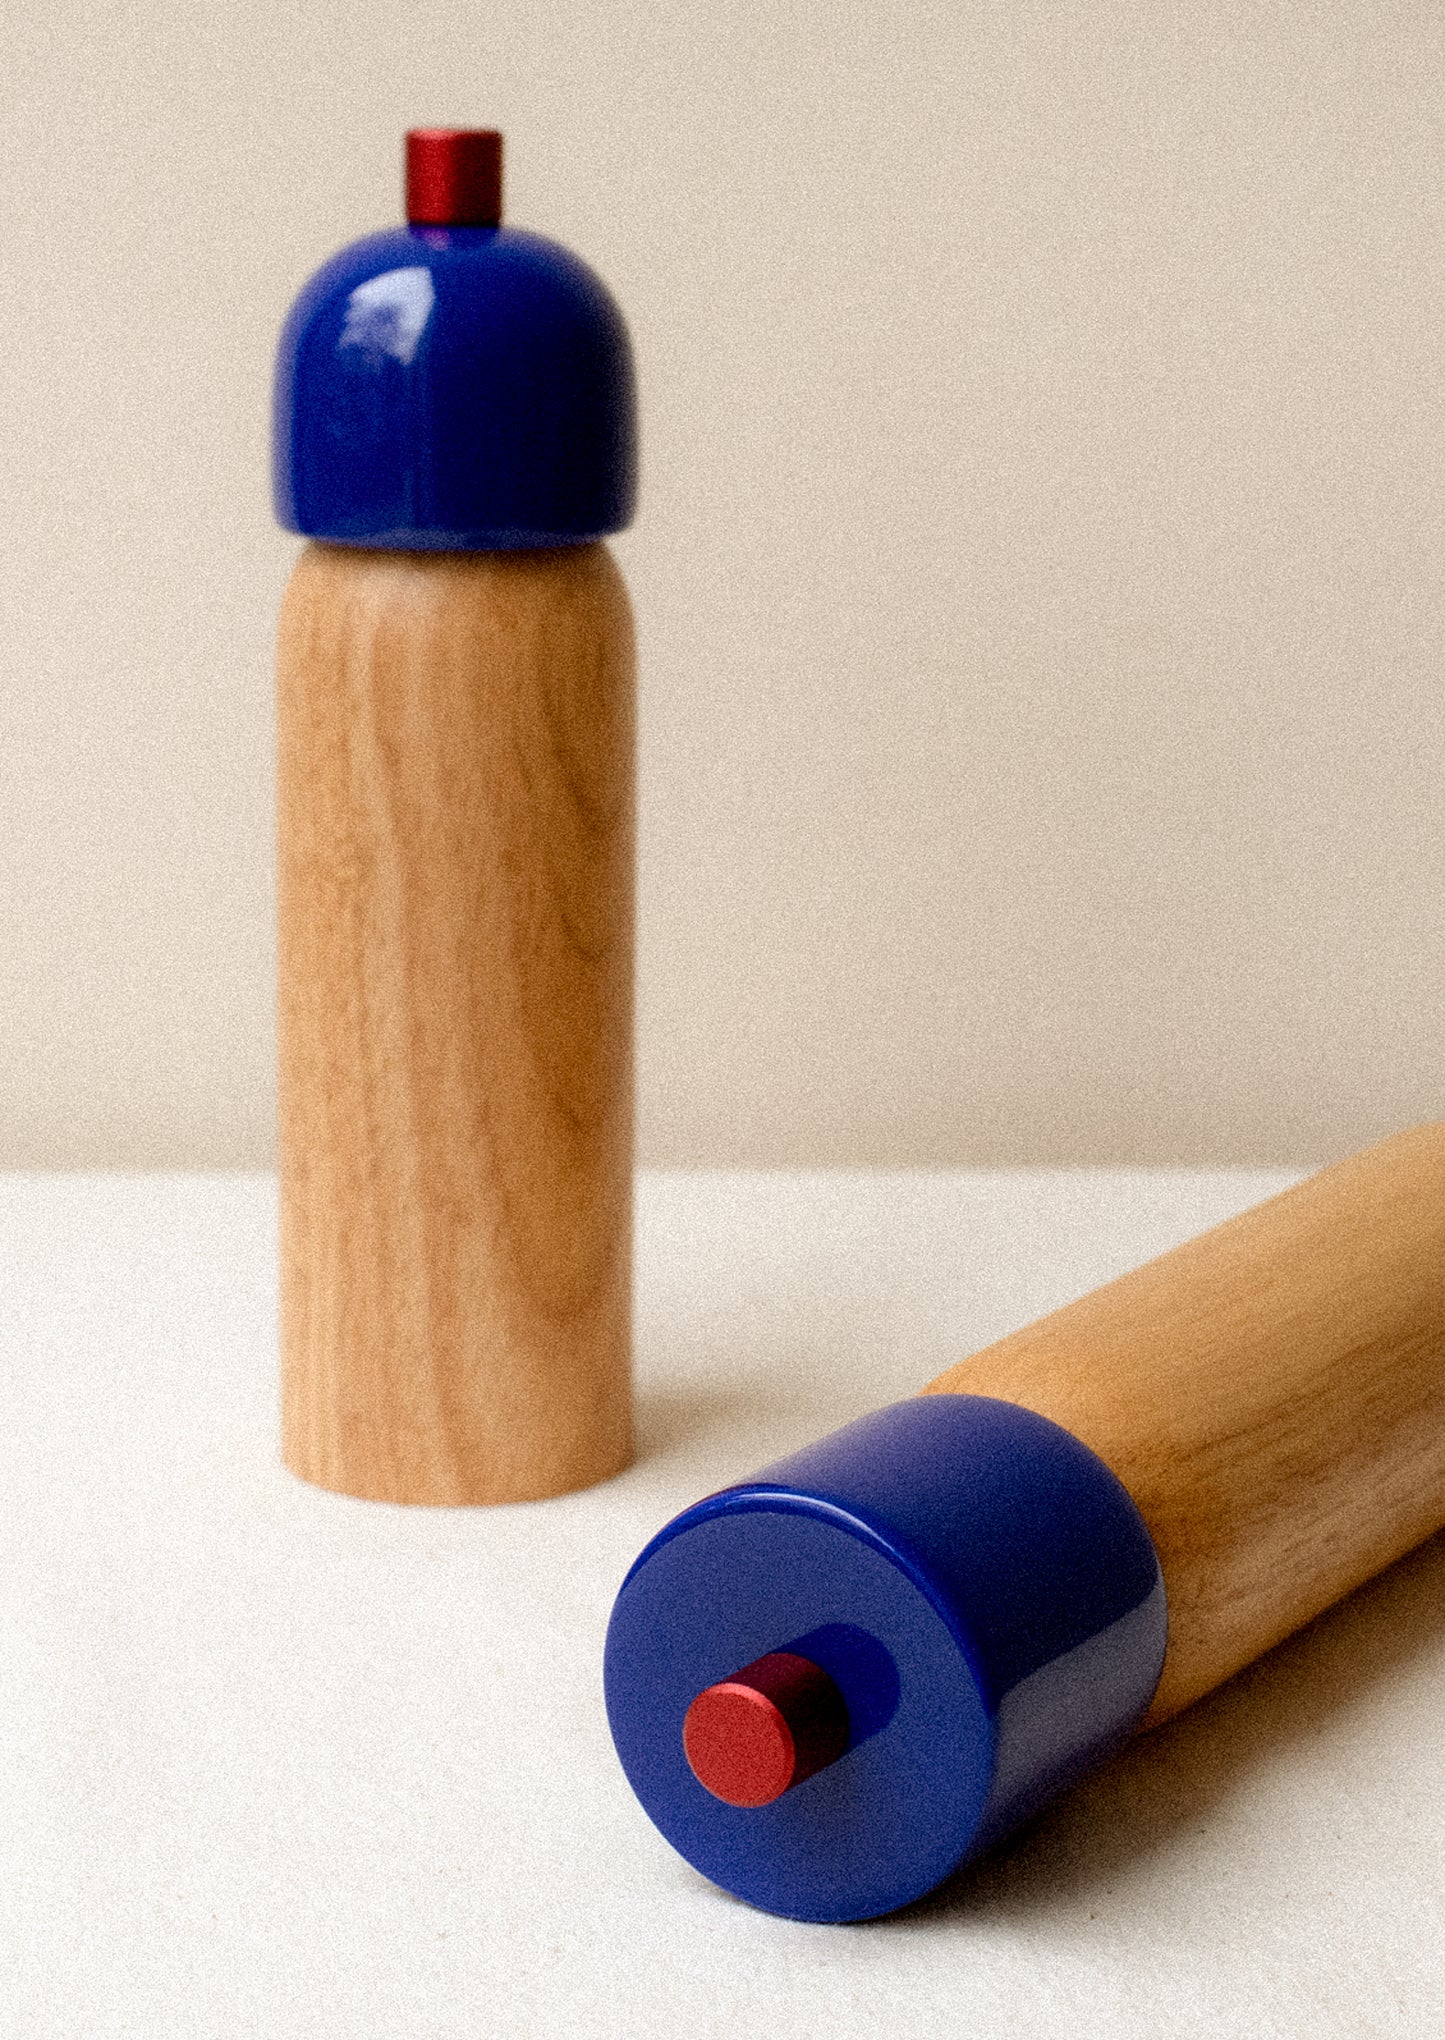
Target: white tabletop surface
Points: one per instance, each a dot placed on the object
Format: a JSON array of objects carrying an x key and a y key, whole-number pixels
[{"x": 276, "y": 1763}]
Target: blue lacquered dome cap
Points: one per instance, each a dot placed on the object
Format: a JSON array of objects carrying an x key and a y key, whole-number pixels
[{"x": 454, "y": 385}]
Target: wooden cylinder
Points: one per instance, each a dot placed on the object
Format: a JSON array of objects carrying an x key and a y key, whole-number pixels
[
  {"x": 1272, "y": 1395},
  {"x": 455, "y": 884}
]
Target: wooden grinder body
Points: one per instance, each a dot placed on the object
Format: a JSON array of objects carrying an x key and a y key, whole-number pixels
[
  {"x": 1271, "y": 1394},
  {"x": 455, "y": 885}
]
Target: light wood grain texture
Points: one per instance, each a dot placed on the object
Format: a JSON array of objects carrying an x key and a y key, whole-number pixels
[
  {"x": 455, "y": 879},
  {"x": 1271, "y": 1394}
]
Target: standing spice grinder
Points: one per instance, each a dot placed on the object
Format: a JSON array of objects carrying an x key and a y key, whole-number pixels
[{"x": 455, "y": 434}]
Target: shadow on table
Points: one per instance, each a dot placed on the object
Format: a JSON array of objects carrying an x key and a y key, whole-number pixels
[
  {"x": 692, "y": 1415},
  {"x": 730, "y": 1425},
  {"x": 1167, "y": 1782}
]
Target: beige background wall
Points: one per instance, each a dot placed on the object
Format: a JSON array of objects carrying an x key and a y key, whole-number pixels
[{"x": 1039, "y": 578}]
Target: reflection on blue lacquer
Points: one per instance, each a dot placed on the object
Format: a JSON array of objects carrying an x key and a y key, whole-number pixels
[
  {"x": 981, "y": 1589},
  {"x": 454, "y": 389}
]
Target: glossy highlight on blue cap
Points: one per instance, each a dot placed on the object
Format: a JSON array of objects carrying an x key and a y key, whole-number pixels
[
  {"x": 454, "y": 388},
  {"x": 980, "y": 1588}
]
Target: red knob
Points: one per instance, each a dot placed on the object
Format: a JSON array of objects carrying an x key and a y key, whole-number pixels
[
  {"x": 454, "y": 177},
  {"x": 753, "y": 1736}
]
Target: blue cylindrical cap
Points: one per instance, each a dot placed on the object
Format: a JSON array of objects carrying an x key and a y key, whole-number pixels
[
  {"x": 455, "y": 389},
  {"x": 982, "y": 1592}
]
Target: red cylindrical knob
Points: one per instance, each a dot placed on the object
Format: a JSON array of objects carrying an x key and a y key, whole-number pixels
[
  {"x": 454, "y": 177},
  {"x": 753, "y": 1736}
]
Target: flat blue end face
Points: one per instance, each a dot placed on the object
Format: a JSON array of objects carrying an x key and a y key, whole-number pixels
[
  {"x": 895, "y": 1813},
  {"x": 458, "y": 389},
  {"x": 983, "y": 1594}
]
